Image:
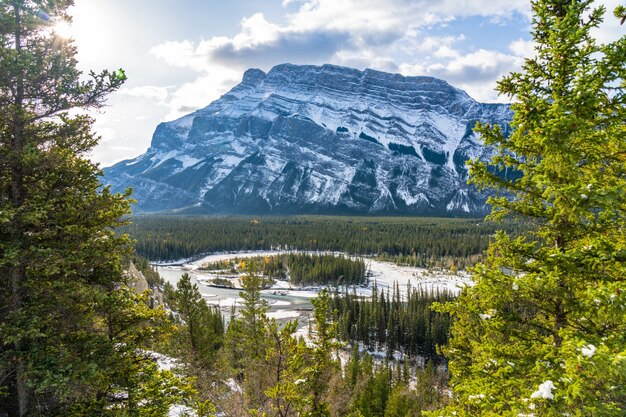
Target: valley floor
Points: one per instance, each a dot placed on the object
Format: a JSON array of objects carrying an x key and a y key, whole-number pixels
[{"x": 289, "y": 302}]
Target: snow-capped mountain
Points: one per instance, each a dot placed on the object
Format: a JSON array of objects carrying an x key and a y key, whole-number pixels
[{"x": 317, "y": 139}]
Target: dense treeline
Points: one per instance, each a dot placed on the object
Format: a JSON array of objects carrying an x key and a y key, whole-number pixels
[
  {"x": 300, "y": 268},
  {"x": 388, "y": 322},
  {"x": 325, "y": 269},
  {"x": 75, "y": 337},
  {"x": 199, "y": 328},
  {"x": 541, "y": 333},
  {"x": 391, "y": 389},
  {"x": 428, "y": 242},
  {"x": 256, "y": 366}
]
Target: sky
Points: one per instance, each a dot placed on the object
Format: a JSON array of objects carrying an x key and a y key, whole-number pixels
[{"x": 180, "y": 55}]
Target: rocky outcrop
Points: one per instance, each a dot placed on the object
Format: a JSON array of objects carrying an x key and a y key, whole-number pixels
[{"x": 317, "y": 139}]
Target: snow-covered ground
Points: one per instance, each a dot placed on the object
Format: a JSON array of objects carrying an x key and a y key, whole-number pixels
[
  {"x": 180, "y": 410},
  {"x": 216, "y": 257},
  {"x": 287, "y": 302},
  {"x": 225, "y": 301},
  {"x": 165, "y": 362},
  {"x": 383, "y": 274},
  {"x": 283, "y": 314}
]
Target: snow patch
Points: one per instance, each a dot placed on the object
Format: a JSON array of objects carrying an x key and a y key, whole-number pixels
[
  {"x": 453, "y": 130},
  {"x": 276, "y": 303},
  {"x": 180, "y": 411},
  {"x": 275, "y": 164},
  {"x": 227, "y": 302},
  {"x": 161, "y": 157},
  {"x": 233, "y": 385},
  {"x": 588, "y": 351},
  {"x": 544, "y": 391},
  {"x": 383, "y": 274},
  {"x": 187, "y": 160},
  {"x": 184, "y": 122},
  {"x": 237, "y": 147},
  {"x": 134, "y": 161},
  {"x": 283, "y": 314},
  {"x": 166, "y": 363},
  {"x": 411, "y": 199},
  {"x": 231, "y": 160},
  {"x": 459, "y": 201}
]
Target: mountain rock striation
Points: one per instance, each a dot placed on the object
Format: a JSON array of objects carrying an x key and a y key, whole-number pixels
[{"x": 317, "y": 139}]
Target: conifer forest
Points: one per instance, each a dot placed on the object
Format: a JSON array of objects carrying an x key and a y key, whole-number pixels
[
  {"x": 425, "y": 242},
  {"x": 106, "y": 312}
]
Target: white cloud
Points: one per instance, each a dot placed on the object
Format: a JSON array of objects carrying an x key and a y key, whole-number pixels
[
  {"x": 152, "y": 92},
  {"x": 122, "y": 148},
  {"x": 432, "y": 44},
  {"x": 494, "y": 9},
  {"x": 446, "y": 52},
  {"x": 522, "y": 48},
  {"x": 330, "y": 27},
  {"x": 365, "y": 58},
  {"x": 200, "y": 92},
  {"x": 370, "y": 15},
  {"x": 354, "y": 16},
  {"x": 108, "y": 134},
  {"x": 477, "y": 66},
  {"x": 256, "y": 30},
  {"x": 182, "y": 54},
  {"x": 476, "y": 72},
  {"x": 413, "y": 37},
  {"x": 357, "y": 33},
  {"x": 127, "y": 122},
  {"x": 610, "y": 30}
]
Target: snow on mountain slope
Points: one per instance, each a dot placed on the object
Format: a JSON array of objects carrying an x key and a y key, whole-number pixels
[{"x": 317, "y": 139}]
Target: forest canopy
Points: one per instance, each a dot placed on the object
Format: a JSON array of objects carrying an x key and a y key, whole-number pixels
[{"x": 429, "y": 242}]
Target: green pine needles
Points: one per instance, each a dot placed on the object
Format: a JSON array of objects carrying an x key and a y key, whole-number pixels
[
  {"x": 542, "y": 332},
  {"x": 73, "y": 336}
]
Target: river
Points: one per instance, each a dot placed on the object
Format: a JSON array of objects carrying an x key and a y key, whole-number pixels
[
  {"x": 297, "y": 304},
  {"x": 289, "y": 306}
]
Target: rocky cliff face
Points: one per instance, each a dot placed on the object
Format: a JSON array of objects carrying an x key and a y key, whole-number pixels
[{"x": 311, "y": 139}]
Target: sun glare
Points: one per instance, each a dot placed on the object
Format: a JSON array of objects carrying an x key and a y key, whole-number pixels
[{"x": 63, "y": 29}]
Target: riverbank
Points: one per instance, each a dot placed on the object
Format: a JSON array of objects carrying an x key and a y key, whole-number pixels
[{"x": 383, "y": 275}]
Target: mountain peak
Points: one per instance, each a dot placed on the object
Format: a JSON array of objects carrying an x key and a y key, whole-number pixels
[
  {"x": 253, "y": 76},
  {"x": 321, "y": 139}
]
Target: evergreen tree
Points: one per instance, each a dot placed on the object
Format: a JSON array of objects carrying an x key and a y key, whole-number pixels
[
  {"x": 542, "y": 332},
  {"x": 402, "y": 403},
  {"x": 389, "y": 323},
  {"x": 71, "y": 333},
  {"x": 286, "y": 358},
  {"x": 246, "y": 341},
  {"x": 203, "y": 327},
  {"x": 413, "y": 241},
  {"x": 252, "y": 314},
  {"x": 321, "y": 365}
]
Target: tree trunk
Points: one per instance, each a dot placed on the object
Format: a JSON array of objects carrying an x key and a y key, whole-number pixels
[{"x": 17, "y": 198}]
